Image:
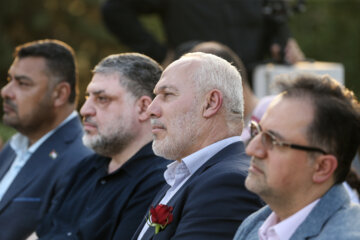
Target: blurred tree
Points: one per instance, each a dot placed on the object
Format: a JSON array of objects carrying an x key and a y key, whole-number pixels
[{"x": 327, "y": 31}]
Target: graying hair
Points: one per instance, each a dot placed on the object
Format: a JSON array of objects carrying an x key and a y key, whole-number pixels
[
  {"x": 216, "y": 73},
  {"x": 137, "y": 73}
]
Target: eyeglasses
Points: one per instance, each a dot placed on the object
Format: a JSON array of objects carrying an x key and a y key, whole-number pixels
[{"x": 269, "y": 140}]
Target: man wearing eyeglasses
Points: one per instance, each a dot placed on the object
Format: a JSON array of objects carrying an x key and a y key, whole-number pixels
[{"x": 301, "y": 152}]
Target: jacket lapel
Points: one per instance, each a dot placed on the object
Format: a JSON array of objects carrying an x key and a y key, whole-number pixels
[
  {"x": 150, "y": 231},
  {"x": 330, "y": 203},
  {"x": 7, "y": 157},
  {"x": 234, "y": 148},
  {"x": 41, "y": 159},
  {"x": 227, "y": 151}
]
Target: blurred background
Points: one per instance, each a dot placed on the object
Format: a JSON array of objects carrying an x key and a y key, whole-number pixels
[{"x": 328, "y": 30}]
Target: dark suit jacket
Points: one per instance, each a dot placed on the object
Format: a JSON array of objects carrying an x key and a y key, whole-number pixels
[
  {"x": 213, "y": 202},
  {"x": 96, "y": 204},
  {"x": 42, "y": 177}
]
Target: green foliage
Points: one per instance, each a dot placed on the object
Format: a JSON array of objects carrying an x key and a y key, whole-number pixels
[
  {"x": 5, "y": 133},
  {"x": 328, "y": 31}
]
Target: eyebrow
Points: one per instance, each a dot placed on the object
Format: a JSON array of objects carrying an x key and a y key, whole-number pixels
[
  {"x": 20, "y": 77},
  {"x": 164, "y": 88},
  {"x": 96, "y": 93},
  {"x": 277, "y": 135}
]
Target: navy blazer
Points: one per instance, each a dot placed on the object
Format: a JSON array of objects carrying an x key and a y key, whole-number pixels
[
  {"x": 333, "y": 217},
  {"x": 213, "y": 202},
  {"x": 38, "y": 182}
]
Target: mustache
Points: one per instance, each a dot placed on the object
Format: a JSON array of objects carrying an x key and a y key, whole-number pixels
[
  {"x": 89, "y": 120},
  {"x": 10, "y": 104},
  {"x": 156, "y": 122},
  {"x": 257, "y": 162}
]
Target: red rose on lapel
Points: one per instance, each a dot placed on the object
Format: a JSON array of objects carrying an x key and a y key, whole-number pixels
[
  {"x": 160, "y": 217},
  {"x": 161, "y": 214}
]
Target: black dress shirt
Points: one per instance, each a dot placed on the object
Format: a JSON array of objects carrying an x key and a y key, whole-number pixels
[{"x": 95, "y": 204}]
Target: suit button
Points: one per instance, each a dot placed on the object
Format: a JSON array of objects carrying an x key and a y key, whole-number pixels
[
  {"x": 103, "y": 182},
  {"x": 69, "y": 234}
]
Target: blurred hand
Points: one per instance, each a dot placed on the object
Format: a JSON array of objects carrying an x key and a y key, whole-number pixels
[{"x": 292, "y": 53}]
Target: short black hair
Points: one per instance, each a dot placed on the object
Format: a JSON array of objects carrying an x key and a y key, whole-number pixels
[
  {"x": 336, "y": 124},
  {"x": 60, "y": 61}
]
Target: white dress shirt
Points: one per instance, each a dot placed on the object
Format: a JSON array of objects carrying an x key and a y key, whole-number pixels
[
  {"x": 272, "y": 229},
  {"x": 20, "y": 144},
  {"x": 177, "y": 173}
]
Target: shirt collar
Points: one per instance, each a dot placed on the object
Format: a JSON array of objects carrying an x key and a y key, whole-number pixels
[
  {"x": 195, "y": 160},
  {"x": 20, "y": 143},
  {"x": 285, "y": 229}
]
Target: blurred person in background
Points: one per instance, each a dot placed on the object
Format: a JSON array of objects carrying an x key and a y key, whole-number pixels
[{"x": 254, "y": 30}]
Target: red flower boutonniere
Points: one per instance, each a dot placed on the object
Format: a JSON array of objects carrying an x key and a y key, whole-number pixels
[{"x": 160, "y": 217}]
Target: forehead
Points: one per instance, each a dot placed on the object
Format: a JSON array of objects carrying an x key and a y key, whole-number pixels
[
  {"x": 178, "y": 74},
  {"x": 108, "y": 83},
  {"x": 28, "y": 66},
  {"x": 288, "y": 117}
]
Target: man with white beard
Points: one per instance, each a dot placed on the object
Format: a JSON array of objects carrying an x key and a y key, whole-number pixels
[
  {"x": 197, "y": 119},
  {"x": 111, "y": 191}
]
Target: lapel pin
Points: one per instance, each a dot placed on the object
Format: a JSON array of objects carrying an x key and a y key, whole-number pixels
[{"x": 53, "y": 154}]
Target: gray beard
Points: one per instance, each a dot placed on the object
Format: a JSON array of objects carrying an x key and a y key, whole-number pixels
[{"x": 108, "y": 145}]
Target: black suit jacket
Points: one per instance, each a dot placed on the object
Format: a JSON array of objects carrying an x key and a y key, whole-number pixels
[
  {"x": 213, "y": 202},
  {"x": 38, "y": 182}
]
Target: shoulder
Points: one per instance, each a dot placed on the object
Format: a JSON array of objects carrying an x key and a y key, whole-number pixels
[
  {"x": 250, "y": 226},
  {"x": 334, "y": 217},
  {"x": 344, "y": 223},
  {"x": 6, "y": 150},
  {"x": 222, "y": 182},
  {"x": 230, "y": 162},
  {"x": 68, "y": 139},
  {"x": 150, "y": 172}
]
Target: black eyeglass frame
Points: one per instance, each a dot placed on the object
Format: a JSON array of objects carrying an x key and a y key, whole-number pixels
[{"x": 274, "y": 141}]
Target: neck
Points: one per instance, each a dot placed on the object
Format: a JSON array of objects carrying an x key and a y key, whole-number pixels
[
  {"x": 49, "y": 124},
  {"x": 290, "y": 205},
  {"x": 209, "y": 132},
  {"x": 130, "y": 150}
]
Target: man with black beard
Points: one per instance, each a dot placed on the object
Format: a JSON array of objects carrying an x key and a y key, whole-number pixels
[
  {"x": 112, "y": 189},
  {"x": 39, "y": 101}
]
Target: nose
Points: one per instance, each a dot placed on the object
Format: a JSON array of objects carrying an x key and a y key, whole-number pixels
[
  {"x": 6, "y": 91},
  {"x": 255, "y": 148},
  {"x": 87, "y": 109},
  {"x": 154, "y": 109}
]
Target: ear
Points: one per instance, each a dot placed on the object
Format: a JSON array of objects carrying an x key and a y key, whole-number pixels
[
  {"x": 141, "y": 106},
  {"x": 61, "y": 94},
  {"x": 325, "y": 167},
  {"x": 213, "y": 102}
]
